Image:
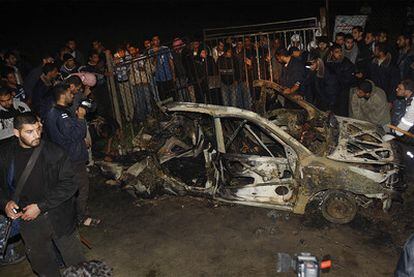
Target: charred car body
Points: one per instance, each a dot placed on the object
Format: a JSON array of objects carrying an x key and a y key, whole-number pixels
[{"x": 282, "y": 159}]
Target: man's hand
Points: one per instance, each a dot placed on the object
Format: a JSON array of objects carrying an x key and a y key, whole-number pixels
[
  {"x": 81, "y": 112},
  {"x": 9, "y": 210},
  {"x": 31, "y": 212},
  {"x": 87, "y": 91},
  {"x": 248, "y": 61}
]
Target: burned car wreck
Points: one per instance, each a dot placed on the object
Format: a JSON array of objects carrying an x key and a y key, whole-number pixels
[{"x": 282, "y": 159}]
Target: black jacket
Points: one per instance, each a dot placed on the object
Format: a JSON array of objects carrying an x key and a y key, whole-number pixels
[
  {"x": 58, "y": 201},
  {"x": 67, "y": 131},
  {"x": 344, "y": 71},
  {"x": 385, "y": 76},
  {"x": 322, "y": 88},
  {"x": 228, "y": 69},
  {"x": 293, "y": 73}
]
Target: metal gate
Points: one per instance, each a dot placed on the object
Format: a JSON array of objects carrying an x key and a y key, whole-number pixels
[{"x": 198, "y": 73}]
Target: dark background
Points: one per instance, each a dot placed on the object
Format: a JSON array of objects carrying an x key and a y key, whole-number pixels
[{"x": 37, "y": 26}]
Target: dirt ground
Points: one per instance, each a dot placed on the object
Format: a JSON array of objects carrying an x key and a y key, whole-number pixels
[{"x": 188, "y": 236}]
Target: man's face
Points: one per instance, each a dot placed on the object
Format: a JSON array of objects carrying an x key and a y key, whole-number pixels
[
  {"x": 203, "y": 54},
  {"x": 382, "y": 37},
  {"x": 68, "y": 97},
  {"x": 282, "y": 59},
  {"x": 29, "y": 135},
  {"x": 133, "y": 51},
  {"x": 12, "y": 60},
  {"x": 6, "y": 101},
  {"x": 322, "y": 45},
  {"x": 349, "y": 43},
  {"x": 314, "y": 65},
  {"x": 296, "y": 54},
  {"x": 147, "y": 44},
  {"x": 121, "y": 53},
  {"x": 356, "y": 34},
  {"x": 96, "y": 45},
  {"x": 369, "y": 38},
  {"x": 337, "y": 54},
  {"x": 220, "y": 46},
  {"x": 71, "y": 44},
  {"x": 400, "y": 90},
  {"x": 94, "y": 58},
  {"x": 48, "y": 60},
  {"x": 239, "y": 45},
  {"x": 247, "y": 42},
  {"x": 361, "y": 93},
  {"x": 53, "y": 74},
  {"x": 277, "y": 43},
  {"x": 228, "y": 53},
  {"x": 196, "y": 44},
  {"x": 11, "y": 79},
  {"x": 156, "y": 41},
  {"x": 74, "y": 89},
  {"x": 70, "y": 63},
  {"x": 264, "y": 41},
  {"x": 401, "y": 42},
  {"x": 340, "y": 40}
]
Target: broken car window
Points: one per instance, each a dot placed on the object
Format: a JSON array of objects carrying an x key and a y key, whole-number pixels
[{"x": 243, "y": 137}]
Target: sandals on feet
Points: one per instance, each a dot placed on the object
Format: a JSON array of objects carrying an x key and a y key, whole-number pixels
[{"x": 91, "y": 222}]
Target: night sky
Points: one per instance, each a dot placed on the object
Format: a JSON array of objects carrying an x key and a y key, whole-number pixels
[{"x": 37, "y": 26}]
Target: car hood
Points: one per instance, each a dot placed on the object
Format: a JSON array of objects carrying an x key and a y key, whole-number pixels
[{"x": 361, "y": 142}]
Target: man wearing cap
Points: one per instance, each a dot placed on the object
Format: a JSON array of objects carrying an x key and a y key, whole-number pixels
[{"x": 369, "y": 103}]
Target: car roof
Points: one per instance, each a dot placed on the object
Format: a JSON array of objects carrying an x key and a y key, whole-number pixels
[{"x": 226, "y": 111}]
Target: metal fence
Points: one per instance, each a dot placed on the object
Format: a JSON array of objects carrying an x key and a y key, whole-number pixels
[{"x": 219, "y": 70}]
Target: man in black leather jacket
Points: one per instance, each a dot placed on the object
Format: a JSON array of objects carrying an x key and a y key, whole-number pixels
[{"x": 47, "y": 216}]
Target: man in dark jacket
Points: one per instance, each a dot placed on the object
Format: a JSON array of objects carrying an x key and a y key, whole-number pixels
[
  {"x": 405, "y": 59},
  {"x": 73, "y": 50},
  {"x": 293, "y": 72},
  {"x": 229, "y": 76},
  {"x": 344, "y": 70},
  {"x": 42, "y": 93},
  {"x": 383, "y": 72},
  {"x": 34, "y": 75},
  {"x": 47, "y": 215},
  {"x": 69, "y": 132},
  {"x": 322, "y": 86}
]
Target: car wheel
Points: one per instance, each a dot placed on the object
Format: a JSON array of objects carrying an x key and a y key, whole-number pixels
[{"x": 339, "y": 207}]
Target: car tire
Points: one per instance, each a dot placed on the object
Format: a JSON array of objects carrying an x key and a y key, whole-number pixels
[{"x": 339, "y": 207}]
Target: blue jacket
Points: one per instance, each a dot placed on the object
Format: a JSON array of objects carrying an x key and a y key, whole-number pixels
[{"x": 67, "y": 131}]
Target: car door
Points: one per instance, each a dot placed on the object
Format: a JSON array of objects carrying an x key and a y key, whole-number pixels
[{"x": 253, "y": 166}]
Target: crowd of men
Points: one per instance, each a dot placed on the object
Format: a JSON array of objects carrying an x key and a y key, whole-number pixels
[
  {"x": 362, "y": 75},
  {"x": 44, "y": 136}
]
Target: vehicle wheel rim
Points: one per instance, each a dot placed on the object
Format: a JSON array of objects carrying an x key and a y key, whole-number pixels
[{"x": 339, "y": 208}]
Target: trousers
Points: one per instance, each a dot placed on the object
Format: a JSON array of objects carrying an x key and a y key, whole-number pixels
[
  {"x": 41, "y": 244},
  {"x": 82, "y": 180}
]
